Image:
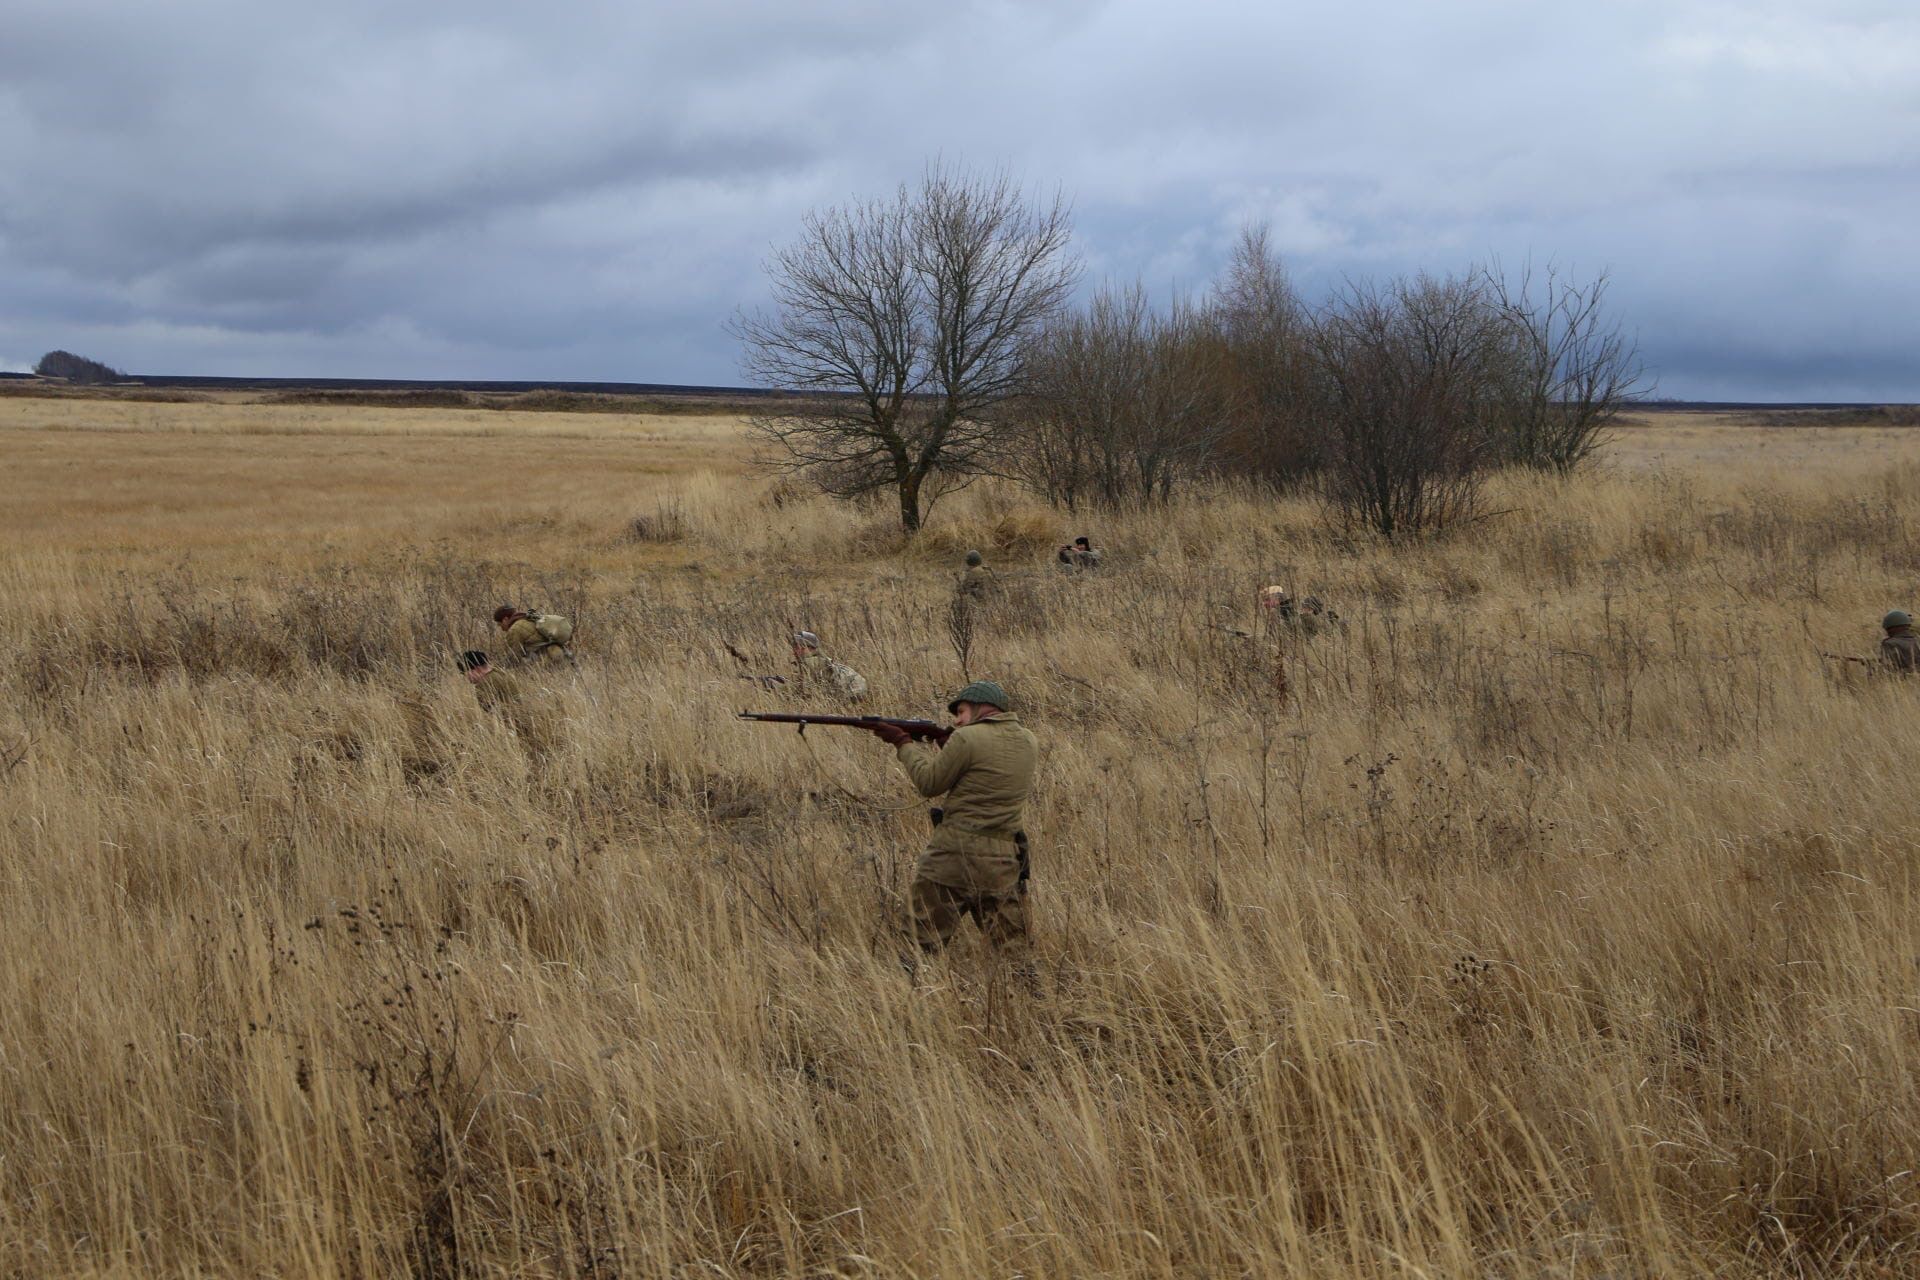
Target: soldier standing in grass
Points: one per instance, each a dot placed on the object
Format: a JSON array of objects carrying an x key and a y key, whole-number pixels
[
  {"x": 535, "y": 635},
  {"x": 975, "y": 863},
  {"x": 1899, "y": 648}
]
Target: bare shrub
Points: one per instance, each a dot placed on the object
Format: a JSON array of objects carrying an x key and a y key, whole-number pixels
[
  {"x": 904, "y": 322},
  {"x": 1568, "y": 369},
  {"x": 1268, "y": 372},
  {"x": 667, "y": 522},
  {"x": 1124, "y": 403},
  {"x": 1408, "y": 371}
]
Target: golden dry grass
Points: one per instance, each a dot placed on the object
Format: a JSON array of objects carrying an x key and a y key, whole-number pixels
[{"x": 1559, "y": 924}]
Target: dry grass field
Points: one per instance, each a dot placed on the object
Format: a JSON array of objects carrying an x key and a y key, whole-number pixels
[{"x": 1559, "y": 922}]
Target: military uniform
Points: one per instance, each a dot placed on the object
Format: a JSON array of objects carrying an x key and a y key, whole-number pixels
[
  {"x": 525, "y": 639},
  {"x": 972, "y": 865},
  {"x": 1307, "y": 618},
  {"x": 819, "y": 672},
  {"x": 1900, "y": 651},
  {"x": 526, "y": 708},
  {"x": 976, "y": 582},
  {"x": 1074, "y": 556}
]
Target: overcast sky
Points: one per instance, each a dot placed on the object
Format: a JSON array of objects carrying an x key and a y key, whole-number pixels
[{"x": 586, "y": 191}]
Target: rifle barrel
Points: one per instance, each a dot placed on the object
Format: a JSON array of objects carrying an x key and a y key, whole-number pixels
[{"x": 914, "y": 728}]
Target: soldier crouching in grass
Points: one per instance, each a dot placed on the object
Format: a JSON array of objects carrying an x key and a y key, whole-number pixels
[
  {"x": 503, "y": 694},
  {"x": 532, "y": 635},
  {"x": 975, "y": 863}
]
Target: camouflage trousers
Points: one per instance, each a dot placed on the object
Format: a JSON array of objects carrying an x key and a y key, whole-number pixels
[{"x": 963, "y": 874}]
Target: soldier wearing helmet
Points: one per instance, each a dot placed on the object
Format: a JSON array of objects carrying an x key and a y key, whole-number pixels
[
  {"x": 975, "y": 863},
  {"x": 1899, "y": 648},
  {"x": 976, "y": 580},
  {"x": 821, "y": 674}
]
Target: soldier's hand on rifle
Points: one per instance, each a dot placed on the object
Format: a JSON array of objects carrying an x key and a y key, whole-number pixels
[{"x": 891, "y": 734}]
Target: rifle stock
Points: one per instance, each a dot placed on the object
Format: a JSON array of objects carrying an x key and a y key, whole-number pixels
[{"x": 918, "y": 730}]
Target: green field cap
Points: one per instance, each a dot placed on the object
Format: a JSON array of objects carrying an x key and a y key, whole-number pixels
[{"x": 980, "y": 691}]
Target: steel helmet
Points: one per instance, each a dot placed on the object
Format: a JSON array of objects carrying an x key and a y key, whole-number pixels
[{"x": 981, "y": 691}]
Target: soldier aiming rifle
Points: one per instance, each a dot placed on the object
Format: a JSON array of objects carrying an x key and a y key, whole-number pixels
[{"x": 975, "y": 863}]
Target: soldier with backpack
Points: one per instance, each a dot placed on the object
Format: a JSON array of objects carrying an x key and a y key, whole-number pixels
[{"x": 535, "y": 635}]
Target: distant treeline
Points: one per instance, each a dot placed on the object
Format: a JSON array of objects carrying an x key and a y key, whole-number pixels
[
  {"x": 1850, "y": 415},
  {"x": 73, "y": 368},
  {"x": 520, "y": 397},
  {"x": 542, "y": 400},
  {"x": 478, "y": 386}
]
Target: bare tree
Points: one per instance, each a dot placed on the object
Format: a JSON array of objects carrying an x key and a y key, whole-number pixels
[
  {"x": 1408, "y": 371},
  {"x": 1268, "y": 366},
  {"x": 906, "y": 320},
  {"x": 1124, "y": 403},
  {"x": 1569, "y": 372}
]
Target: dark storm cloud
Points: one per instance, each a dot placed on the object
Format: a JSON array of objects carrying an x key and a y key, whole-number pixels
[{"x": 586, "y": 190}]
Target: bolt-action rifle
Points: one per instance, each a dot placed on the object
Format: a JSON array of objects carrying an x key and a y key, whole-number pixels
[{"x": 918, "y": 730}]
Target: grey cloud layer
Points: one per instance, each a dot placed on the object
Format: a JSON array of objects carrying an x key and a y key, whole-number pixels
[{"x": 586, "y": 191}]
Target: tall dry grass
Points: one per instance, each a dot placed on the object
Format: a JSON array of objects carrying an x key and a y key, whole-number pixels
[{"x": 1559, "y": 922}]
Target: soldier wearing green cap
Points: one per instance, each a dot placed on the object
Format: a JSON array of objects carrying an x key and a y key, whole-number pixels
[
  {"x": 1899, "y": 648},
  {"x": 975, "y": 861}
]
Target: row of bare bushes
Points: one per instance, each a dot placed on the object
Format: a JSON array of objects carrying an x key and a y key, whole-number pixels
[
  {"x": 937, "y": 333},
  {"x": 1393, "y": 400}
]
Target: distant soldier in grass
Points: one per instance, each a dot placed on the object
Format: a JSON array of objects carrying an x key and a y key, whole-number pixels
[
  {"x": 1899, "y": 648},
  {"x": 821, "y": 674},
  {"x": 534, "y": 635},
  {"x": 1305, "y": 617},
  {"x": 1080, "y": 554},
  {"x": 975, "y": 863},
  {"x": 976, "y": 580}
]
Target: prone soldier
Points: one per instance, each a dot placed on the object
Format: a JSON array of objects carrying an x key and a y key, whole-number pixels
[
  {"x": 1080, "y": 554},
  {"x": 819, "y": 673},
  {"x": 1305, "y": 617}
]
